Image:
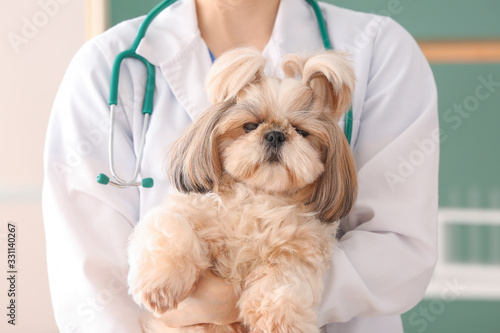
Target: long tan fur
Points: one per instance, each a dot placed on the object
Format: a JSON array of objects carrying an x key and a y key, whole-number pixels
[
  {"x": 330, "y": 76},
  {"x": 263, "y": 175}
]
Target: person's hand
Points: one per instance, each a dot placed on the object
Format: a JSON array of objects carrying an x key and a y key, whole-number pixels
[{"x": 212, "y": 301}]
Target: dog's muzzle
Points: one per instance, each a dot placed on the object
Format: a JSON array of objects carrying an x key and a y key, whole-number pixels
[{"x": 275, "y": 141}]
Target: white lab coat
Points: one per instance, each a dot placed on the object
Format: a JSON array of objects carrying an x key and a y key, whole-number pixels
[{"x": 380, "y": 267}]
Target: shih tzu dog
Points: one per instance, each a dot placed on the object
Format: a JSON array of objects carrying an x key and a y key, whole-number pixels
[{"x": 263, "y": 176}]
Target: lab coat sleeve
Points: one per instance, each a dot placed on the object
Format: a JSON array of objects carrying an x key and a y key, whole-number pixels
[
  {"x": 383, "y": 263},
  {"x": 87, "y": 224}
]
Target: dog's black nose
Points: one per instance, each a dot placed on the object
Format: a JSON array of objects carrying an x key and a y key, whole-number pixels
[{"x": 275, "y": 138}]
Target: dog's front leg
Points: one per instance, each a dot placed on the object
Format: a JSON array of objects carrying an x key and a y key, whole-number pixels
[
  {"x": 167, "y": 253},
  {"x": 282, "y": 300}
]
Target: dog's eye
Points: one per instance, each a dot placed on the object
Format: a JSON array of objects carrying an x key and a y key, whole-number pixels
[
  {"x": 248, "y": 127},
  {"x": 303, "y": 133}
]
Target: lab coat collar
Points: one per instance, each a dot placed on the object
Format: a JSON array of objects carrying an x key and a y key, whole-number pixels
[
  {"x": 174, "y": 44},
  {"x": 295, "y": 31}
]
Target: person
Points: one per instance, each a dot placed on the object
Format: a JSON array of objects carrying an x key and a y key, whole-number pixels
[{"x": 383, "y": 262}]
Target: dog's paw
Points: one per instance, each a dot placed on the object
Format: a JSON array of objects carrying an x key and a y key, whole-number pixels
[
  {"x": 275, "y": 313},
  {"x": 166, "y": 258},
  {"x": 156, "y": 300},
  {"x": 160, "y": 297},
  {"x": 160, "y": 290}
]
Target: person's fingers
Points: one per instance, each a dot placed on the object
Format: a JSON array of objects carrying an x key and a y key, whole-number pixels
[{"x": 212, "y": 301}]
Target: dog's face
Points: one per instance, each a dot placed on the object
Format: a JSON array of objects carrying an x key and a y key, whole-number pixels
[
  {"x": 275, "y": 135},
  {"x": 274, "y": 139}
]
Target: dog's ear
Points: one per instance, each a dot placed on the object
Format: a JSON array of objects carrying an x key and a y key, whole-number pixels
[
  {"x": 195, "y": 164},
  {"x": 232, "y": 71},
  {"x": 336, "y": 191},
  {"x": 333, "y": 194},
  {"x": 331, "y": 77},
  {"x": 329, "y": 74},
  {"x": 293, "y": 65}
]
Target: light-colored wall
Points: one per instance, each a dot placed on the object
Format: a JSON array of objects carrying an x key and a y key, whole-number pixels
[{"x": 37, "y": 40}]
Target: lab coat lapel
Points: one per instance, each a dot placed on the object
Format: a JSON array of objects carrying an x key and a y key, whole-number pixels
[
  {"x": 295, "y": 31},
  {"x": 173, "y": 43},
  {"x": 186, "y": 75}
]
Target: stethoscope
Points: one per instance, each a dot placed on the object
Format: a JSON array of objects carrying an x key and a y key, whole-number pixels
[{"x": 147, "y": 107}]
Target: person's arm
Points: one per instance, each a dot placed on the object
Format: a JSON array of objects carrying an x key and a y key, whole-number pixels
[
  {"x": 212, "y": 301},
  {"x": 383, "y": 263},
  {"x": 87, "y": 224}
]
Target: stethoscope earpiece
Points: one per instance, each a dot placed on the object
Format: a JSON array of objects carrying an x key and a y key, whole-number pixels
[
  {"x": 148, "y": 182},
  {"x": 102, "y": 179}
]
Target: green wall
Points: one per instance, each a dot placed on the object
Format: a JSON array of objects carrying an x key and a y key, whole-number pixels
[
  {"x": 445, "y": 316},
  {"x": 470, "y": 125},
  {"x": 125, "y": 9}
]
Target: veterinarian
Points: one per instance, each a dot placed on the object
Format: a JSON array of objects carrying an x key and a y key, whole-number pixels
[{"x": 384, "y": 260}]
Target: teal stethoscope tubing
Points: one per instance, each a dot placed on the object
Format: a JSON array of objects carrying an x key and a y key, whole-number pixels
[{"x": 147, "y": 107}]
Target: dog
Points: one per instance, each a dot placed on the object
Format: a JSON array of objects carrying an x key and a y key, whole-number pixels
[{"x": 263, "y": 177}]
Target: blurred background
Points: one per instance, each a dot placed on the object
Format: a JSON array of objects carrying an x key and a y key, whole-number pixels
[{"x": 460, "y": 38}]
